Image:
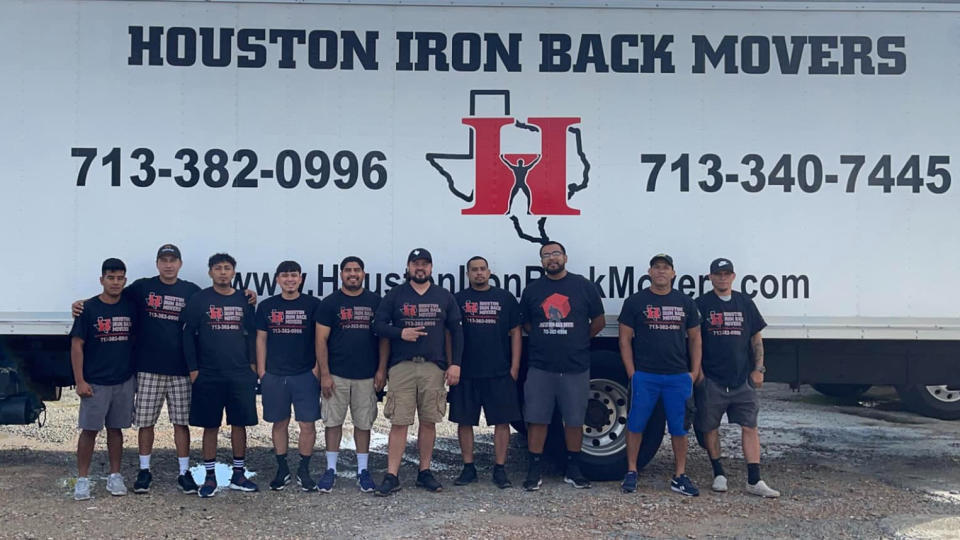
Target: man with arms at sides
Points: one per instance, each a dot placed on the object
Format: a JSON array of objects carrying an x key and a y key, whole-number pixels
[
  {"x": 491, "y": 364},
  {"x": 287, "y": 366},
  {"x": 561, "y": 312},
  {"x": 732, "y": 370},
  {"x": 416, "y": 317},
  {"x": 350, "y": 374},
  {"x": 101, "y": 352},
  {"x": 219, "y": 336},
  {"x": 660, "y": 349}
]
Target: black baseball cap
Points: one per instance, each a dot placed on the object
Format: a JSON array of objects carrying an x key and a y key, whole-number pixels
[
  {"x": 721, "y": 265},
  {"x": 169, "y": 250},
  {"x": 662, "y": 257},
  {"x": 420, "y": 253}
]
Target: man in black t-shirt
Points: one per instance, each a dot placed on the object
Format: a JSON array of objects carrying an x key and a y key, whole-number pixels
[
  {"x": 733, "y": 369},
  {"x": 350, "y": 375},
  {"x": 491, "y": 365},
  {"x": 101, "y": 352},
  {"x": 287, "y": 367},
  {"x": 416, "y": 317},
  {"x": 660, "y": 349},
  {"x": 561, "y": 312},
  {"x": 219, "y": 336}
]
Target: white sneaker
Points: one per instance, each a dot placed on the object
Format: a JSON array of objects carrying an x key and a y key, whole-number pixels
[
  {"x": 115, "y": 485},
  {"x": 763, "y": 490},
  {"x": 719, "y": 483},
  {"x": 81, "y": 491}
]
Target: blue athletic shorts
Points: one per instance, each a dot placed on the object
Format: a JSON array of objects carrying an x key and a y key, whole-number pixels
[{"x": 647, "y": 388}]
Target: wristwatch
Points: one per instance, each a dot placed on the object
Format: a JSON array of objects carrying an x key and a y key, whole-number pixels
[{"x": 761, "y": 369}]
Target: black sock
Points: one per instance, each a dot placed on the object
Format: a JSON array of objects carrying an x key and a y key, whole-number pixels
[
  {"x": 573, "y": 458},
  {"x": 282, "y": 463},
  {"x": 717, "y": 467},
  {"x": 753, "y": 473},
  {"x": 497, "y": 466},
  {"x": 239, "y": 465},
  {"x": 468, "y": 465},
  {"x": 305, "y": 462},
  {"x": 535, "y": 461},
  {"x": 211, "y": 468}
]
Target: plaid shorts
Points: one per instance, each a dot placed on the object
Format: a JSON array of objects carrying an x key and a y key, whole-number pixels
[{"x": 153, "y": 389}]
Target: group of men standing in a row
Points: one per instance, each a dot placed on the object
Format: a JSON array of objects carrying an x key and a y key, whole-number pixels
[{"x": 202, "y": 352}]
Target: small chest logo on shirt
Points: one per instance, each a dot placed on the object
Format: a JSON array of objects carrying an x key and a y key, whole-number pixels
[
  {"x": 471, "y": 308},
  {"x": 216, "y": 313},
  {"x": 653, "y": 313},
  {"x": 276, "y": 317},
  {"x": 346, "y": 314},
  {"x": 556, "y": 307},
  {"x": 409, "y": 310},
  {"x": 716, "y": 319},
  {"x": 726, "y": 323},
  {"x": 664, "y": 317},
  {"x": 155, "y": 301},
  {"x": 103, "y": 324}
]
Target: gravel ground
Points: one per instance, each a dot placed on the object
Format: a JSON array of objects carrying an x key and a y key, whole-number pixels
[{"x": 846, "y": 470}]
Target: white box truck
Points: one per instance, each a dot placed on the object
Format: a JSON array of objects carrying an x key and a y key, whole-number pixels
[{"x": 812, "y": 143}]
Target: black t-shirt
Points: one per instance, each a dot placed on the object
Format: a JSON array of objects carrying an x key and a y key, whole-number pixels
[
  {"x": 158, "y": 347},
  {"x": 435, "y": 310},
  {"x": 559, "y": 312},
  {"x": 727, "y": 328},
  {"x": 660, "y": 324},
  {"x": 352, "y": 350},
  {"x": 290, "y": 328},
  {"x": 218, "y": 334},
  {"x": 488, "y": 317},
  {"x": 106, "y": 331}
]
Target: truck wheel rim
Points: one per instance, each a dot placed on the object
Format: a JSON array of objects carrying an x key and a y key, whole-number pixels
[
  {"x": 605, "y": 427},
  {"x": 944, "y": 393}
]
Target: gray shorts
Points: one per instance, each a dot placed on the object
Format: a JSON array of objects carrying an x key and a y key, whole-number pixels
[
  {"x": 740, "y": 404},
  {"x": 544, "y": 391},
  {"x": 110, "y": 406}
]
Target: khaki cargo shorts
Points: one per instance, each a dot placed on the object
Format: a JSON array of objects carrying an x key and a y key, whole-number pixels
[
  {"x": 356, "y": 394},
  {"x": 415, "y": 386}
]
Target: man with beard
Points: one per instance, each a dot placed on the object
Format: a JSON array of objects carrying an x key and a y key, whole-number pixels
[
  {"x": 660, "y": 349},
  {"x": 491, "y": 364},
  {"x": 416, "y": 317},
  {"x": 561, "y": 312},
  {"x": 350, "y": 374}
]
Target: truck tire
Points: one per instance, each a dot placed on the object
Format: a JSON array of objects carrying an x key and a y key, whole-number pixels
[
  {"x": 841, "y": 390},
  {"x": 604, "y": 451},
  {"x": 936, "y": 401}
]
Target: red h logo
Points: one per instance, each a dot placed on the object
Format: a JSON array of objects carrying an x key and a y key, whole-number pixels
[
  {"x": 543, "y": 177},
  {"x": 653, "y": 313},
  {"x": 346, "y": 314},
  {"x": 716, "y": 319},
  {"x": 276, "y": 317},
  {"x": 216, "y": 313},
  {"x": 155, "y": 300},
  {"x": 409, "y": 310},
  {"x": 103, "y": 324}
]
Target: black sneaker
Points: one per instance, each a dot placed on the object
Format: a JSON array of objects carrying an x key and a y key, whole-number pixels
[
  {"x": 280, "y": 481},
  {"x": 467, "y": 475},
  {"x": 389, "y": 484},
  {"x": 575, "y": 478},
  {"x": 426, "y": 481},
  {"x": 500, "y": 477},
  {"x": 304, "y": 481},
  {"x": 142, "y": 485},
  {"x": 187, "y": 483},
  {"x": 533, "y": 481}
]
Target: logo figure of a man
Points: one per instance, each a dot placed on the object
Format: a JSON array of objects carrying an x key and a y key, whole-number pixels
[{"x": 520, "y": 171}]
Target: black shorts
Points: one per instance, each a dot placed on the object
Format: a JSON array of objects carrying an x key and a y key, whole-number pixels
[
  {"x": 496, "y": 395},
  {"x": 211, "y": 395}
]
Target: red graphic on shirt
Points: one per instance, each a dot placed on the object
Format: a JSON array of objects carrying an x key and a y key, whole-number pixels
[
  {"x": 409, "y": 310},
  {"x": 716, "y": 319},
  {"x": 103, "y": 324},
  {"x": 216, "y": 313},
  {"x": 346, "y": 314},
  {"x": 556, "y": 307},
  {"x": 471, "y": 307},
  {"x": 653, "y": 313},
  {"x": 276, "y": 317},
  {"x": 155, "y": 301}
]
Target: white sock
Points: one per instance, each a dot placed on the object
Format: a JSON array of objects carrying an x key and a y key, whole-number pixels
[
  {"x": 332, "y": 460},
  {"x": 184, "y": 464},
  {"x": 362, "y": 462},
  {"x": 145, "y": 462}
]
